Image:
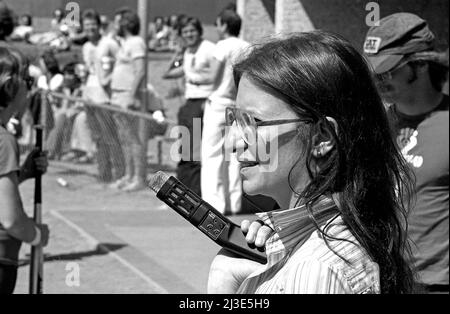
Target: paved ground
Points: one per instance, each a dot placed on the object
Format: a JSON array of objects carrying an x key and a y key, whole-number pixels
[{"x": 122, "y": 243}]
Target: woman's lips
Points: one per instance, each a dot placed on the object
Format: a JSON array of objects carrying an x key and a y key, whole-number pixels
[{"x": 248, "y": 164}]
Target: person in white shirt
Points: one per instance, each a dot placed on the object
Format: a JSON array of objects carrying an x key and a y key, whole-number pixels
[
  {"x": 24, "y": 30},
  {"x": 197, "y": 60},
  {"x": 126, "y": 85},
  {"x": 99, "y": 55},
  {"x": 220, "y": 183},
  {"x": 51, "y": 80}
]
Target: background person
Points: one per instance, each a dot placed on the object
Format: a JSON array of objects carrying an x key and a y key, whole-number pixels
[
  {"x": 99, "y": 54},
  {"x": 58, "y": 140},
  {"x": 159, "y": 34},
  {"x": 411, "y": 74},
  {"x": 221, "y": 184},
  {"x": 197, "y": 60},
  {"x": 126, "y": 85},
  {"x": 24, "y": 30},
  {"x": 15, "y": 226},
  {"x": 51, "y": 80}
]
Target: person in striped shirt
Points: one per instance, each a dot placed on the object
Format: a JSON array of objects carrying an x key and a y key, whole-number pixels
[{"x": 333, "y": 168}]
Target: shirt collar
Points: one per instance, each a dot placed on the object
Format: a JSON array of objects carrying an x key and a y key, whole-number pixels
[{"x": 294, "y": 226}]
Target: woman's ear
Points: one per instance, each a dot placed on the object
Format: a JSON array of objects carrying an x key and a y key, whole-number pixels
[{"x": 324, "y": 141}]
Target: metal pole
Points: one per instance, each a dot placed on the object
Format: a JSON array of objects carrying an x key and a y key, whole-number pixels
[
  {"x": 143, "y": 124},
  {"x": 37, "y": 255},
  {"x": 143, "y": 16}
]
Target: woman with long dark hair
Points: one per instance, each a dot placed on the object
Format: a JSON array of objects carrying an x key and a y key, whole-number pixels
[{"x": 336, "y": 173}]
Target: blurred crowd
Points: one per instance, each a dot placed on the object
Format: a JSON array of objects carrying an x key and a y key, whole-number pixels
[
  {"x": 64, "y": 92},
  {"x": 163, "y": 32},
  {"x": 67, "y": 95}
]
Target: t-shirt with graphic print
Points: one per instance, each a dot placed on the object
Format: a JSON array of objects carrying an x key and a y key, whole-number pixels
[{"x": 424, "y": 143}]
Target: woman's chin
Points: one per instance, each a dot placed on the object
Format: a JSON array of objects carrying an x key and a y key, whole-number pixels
[{"x": 251, "y": 187}]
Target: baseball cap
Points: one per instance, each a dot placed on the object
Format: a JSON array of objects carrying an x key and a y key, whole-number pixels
[{"x": 397, "y": 35}]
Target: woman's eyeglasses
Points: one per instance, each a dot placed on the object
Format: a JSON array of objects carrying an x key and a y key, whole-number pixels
[{"x": 247, "y": 124}]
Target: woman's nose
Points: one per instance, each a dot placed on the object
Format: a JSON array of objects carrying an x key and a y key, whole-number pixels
[{"x": 234, "y": 141}]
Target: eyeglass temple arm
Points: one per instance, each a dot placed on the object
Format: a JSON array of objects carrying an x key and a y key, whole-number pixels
[{"x": 278, "y": 122}]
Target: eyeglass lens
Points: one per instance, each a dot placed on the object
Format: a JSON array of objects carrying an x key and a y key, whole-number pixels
[{"x": 245, "y": 123}]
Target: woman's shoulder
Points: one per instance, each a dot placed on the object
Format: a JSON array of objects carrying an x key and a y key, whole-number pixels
[{"x": 342, "y": 255}]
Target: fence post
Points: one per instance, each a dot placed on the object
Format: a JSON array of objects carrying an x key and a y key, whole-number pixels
[
  {"x": 43, "y": 112},
  {"x": 143, "y": 124}
]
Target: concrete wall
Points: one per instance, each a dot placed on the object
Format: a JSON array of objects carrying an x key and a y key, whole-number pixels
[
  {"x": 345, "y": 17},
  {"x": 290, "y": 16},
  {"x": 258, "y": 21},
  {"x": 206, "y": 10},
  {"x": 45, "y": 8}
]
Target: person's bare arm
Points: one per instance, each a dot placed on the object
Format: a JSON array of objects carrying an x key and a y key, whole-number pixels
[
  {"x": 105, "y": 68},
  {"x": 228, "y": 271},
  {"x": 139, "y": 73},
  {"x": 105, "y": 79},
  {"x": 174, "y": 72},
  {"x": 104, "y": 75},
  {"x": 35, "y": 163},
  {"x": 12, "y": 215}
]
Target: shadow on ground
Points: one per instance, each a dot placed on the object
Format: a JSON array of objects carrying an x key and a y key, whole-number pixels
[
  {"x": 152, "y": 168},
  {"x": 100, "y": 249},
  {"x": 70, "y": 169}
]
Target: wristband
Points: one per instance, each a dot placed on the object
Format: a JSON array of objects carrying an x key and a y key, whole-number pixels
[{"x": 37, "y": 239}]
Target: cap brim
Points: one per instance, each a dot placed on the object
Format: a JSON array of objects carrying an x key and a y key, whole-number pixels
[{"x": 384, "y": 63}]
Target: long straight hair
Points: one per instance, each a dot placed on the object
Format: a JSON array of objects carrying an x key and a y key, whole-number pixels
[{"x": 320, "y": 74}]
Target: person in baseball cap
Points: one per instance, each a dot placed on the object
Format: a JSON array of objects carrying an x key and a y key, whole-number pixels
[
  {"x": 410, "y": 74},
  {"x": 397, "y": 35},
  {"x": 401, "y": 39}
]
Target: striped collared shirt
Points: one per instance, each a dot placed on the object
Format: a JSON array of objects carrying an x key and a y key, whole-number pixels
[{"x": 299, "y": 260}]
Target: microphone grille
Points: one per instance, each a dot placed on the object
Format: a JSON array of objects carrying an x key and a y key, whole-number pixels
[{"x": 157, "y": 181}]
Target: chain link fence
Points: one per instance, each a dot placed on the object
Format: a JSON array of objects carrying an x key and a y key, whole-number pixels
[{"x": 80, "y": 132}]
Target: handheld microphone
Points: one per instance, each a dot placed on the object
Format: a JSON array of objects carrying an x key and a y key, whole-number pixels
[{"x": 203, "y": 216}]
